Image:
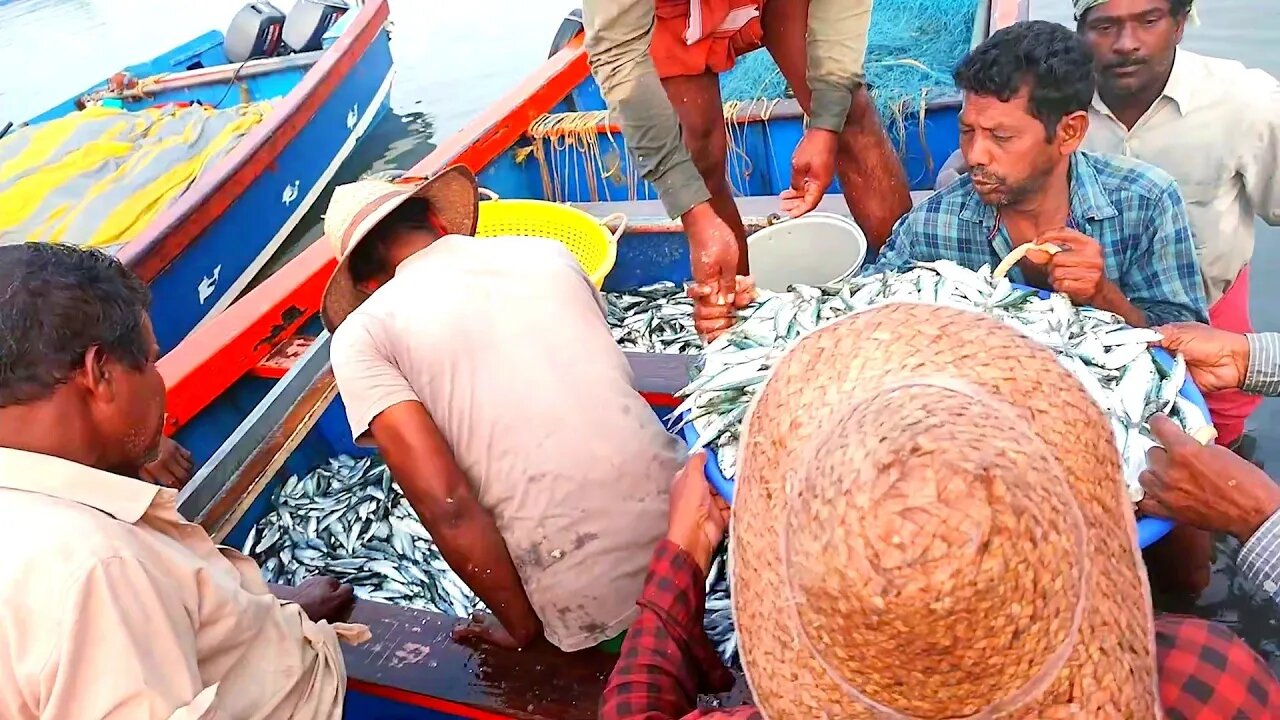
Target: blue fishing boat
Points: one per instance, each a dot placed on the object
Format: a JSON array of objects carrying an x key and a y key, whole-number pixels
[
  {"x": 252, "y": 395},
  {"x": 193, "y": 167}
]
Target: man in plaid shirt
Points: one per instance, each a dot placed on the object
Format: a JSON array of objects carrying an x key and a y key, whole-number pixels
[
  {"x": 1119, "y": 226},
  {"x": 1205, "y": 671}
]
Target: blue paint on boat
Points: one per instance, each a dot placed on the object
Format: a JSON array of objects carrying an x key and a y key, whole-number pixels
[{"x": 228, "y": 252}]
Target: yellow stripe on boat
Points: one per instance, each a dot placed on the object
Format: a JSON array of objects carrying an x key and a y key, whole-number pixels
[{"x": 96, "y": 178}]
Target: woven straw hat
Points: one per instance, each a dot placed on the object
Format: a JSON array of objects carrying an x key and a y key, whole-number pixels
[
  {"x": 357, "y": 207},
  {"x": 930, "y": 522}
]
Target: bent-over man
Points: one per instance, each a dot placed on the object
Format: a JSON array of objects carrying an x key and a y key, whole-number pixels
[{"x": 484, "y": 371}]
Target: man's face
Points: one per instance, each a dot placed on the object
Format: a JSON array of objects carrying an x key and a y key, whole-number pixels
[
  {"x": 1133, "y": 44},
  {"x": 131, "y": 411},
  {"x": 1006, "y": 148}
]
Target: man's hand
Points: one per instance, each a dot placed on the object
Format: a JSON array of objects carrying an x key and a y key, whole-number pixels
[
  {"x": 1208, "y": 487},
  {"x": 171, "y": 469},
  {"x": 710, "y": 319},
  {"x": 324, "y": 598},
  {"x": 713, "y": 252},
  {"x": 485, "y": 628},
  {"x": 1077, "y": 270},
  {"x": 698, "y": 515},
  {"x": 1216, "y": 359},
  {"x": 813, "y": 167}
]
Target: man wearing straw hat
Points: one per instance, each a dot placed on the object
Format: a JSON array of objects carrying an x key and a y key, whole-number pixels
[
  {"x": 946, "y": 535},
  {"x": 1108, "y": 232},
  {"x": 485, "y": 373},
  {"x": 658, "y": 64},
  {"x": 1214, "y": 125}
]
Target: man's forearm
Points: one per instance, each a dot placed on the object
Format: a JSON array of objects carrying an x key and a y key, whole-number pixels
[
  {"x": 837, "y": 46},
  {"x": 1263, "y": 375},
  {"x": 469, "y": 540},
  {"x": 618, "y": 35}
]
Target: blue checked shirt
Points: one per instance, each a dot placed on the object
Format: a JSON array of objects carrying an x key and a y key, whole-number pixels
[{"x": 1133, "y": 210}]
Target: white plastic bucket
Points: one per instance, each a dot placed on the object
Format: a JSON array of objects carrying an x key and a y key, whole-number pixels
[{"x": 813, "y": 249}]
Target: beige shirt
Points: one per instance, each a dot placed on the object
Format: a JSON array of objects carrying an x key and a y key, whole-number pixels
[
  {"x": 116, "y": 607},
  {"x": 617, "y": 43},
  {"x": 1216, "y": 129},
  {"x": 504, "y": 341}
]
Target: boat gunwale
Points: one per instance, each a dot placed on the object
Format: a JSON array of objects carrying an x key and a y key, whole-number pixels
[{"x": 180, "y": 225}]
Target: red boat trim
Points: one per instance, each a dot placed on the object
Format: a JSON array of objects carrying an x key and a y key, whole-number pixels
[
  {"x": 220, "y": 352},
  {"x": 176, "y": 228},
  {"x": 405, "y": 697}
]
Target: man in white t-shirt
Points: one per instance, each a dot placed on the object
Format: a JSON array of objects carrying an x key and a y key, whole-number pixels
[{"x": 485, "y": 373}]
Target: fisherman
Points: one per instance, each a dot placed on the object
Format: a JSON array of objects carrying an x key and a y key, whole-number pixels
[
  {"x": 1210, "y": 487},
  {"x": 1118, "y": 226},
  {"x": 906, "y": 544},
  {"x": 485, "y": 373},
  {"x": 1214, "y": 125},
  {"x": 115, "y": 606},
  {"x": 658, "y": 66}
]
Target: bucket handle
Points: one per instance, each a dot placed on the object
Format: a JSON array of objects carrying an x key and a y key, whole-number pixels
[
  {"x": 486, "y": 194},
  {"x": 621, "y": 218}
]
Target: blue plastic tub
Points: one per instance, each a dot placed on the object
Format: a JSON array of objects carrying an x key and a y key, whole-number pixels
[{"x": 1150, "y": 529}]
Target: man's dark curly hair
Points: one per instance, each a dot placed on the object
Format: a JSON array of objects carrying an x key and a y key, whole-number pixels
[
  {"x": 1053, "y": 63},
  {"x": 57, "y": 301}
]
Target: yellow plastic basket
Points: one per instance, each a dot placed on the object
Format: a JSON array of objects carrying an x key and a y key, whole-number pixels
[{"x": 590, "y": 241}]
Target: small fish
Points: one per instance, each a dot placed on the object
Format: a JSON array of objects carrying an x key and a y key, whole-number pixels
[
  {"x": 1111, "y": 359},
  {"x": 349, "y": 519}
]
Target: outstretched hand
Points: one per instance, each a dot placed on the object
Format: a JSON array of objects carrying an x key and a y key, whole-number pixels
[
  {"x": 1208, "y": 487},
  {"x": 813, "y": 168}
]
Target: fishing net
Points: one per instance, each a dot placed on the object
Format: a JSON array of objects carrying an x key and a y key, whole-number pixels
[{"x": 913, "y": 46}]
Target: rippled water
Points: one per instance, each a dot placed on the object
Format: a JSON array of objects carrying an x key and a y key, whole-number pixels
[{"x": 454, "y": 58}]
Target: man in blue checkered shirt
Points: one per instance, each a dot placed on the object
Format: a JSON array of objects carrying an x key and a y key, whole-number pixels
[{"x": 1118, "y": 227}]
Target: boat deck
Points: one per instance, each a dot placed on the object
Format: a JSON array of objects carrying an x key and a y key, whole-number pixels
[{"x": 412, "y": 659}]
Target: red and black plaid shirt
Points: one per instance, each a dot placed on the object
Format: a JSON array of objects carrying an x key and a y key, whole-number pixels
[{"x": 1206, "y": 672}]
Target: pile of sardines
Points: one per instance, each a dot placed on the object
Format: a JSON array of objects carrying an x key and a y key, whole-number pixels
[
  {"x": 1110, "y": 358},
  {"x": 349, "y": 520}
]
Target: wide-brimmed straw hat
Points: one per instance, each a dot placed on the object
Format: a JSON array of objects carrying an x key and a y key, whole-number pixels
[
  {"x": 357, "y": 207},
  {"x": 931, "y": 521}
]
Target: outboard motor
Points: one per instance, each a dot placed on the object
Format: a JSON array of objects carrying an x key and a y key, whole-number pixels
[
  {"x": 308, "y": 21},
  {"x": 255, "y": 32}
]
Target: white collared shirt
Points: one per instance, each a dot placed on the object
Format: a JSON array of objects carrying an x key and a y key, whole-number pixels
[
  {"x": 1216, "y": 129},
  {"x": 116, "y": 607}
]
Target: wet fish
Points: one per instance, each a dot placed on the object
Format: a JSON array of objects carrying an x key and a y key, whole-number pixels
[
  {"x": 656, "y": 318},
  {"x": 1111, "y": 359},
  {"x": 717, "y": 621},
  {"x": 348, "y": 519}
]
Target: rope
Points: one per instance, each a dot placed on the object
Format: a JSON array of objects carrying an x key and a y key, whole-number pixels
[{"x": 568, "y": 149}]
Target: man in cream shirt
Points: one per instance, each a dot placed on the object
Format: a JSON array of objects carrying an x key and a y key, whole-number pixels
[
  {"x": 114, "y": 606},
  {"x": 1214, "y": 125}
]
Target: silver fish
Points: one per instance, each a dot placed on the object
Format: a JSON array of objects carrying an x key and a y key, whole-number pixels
[
  {"x": 348, "y": 519},
  {"x": 1112, "y": 360}
]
